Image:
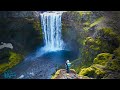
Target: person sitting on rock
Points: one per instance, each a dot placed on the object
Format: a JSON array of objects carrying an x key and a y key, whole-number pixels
[{"x": 68, "y": 64}]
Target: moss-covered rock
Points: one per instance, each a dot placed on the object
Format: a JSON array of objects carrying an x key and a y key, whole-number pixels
[
  {"x": 109, "y": 39},
  {"x": 14, "y": 59},
  {"x": 87, "y": 72},
  {"x": 89, "y": 40},
  {"x": 56, "y": 74},
  {"x": 117, "y": 52},
  {"x": 102, "y": 58},
  {"x": 113, "y": 65},
  {"x": 97, "y": 21},
  {"x": 94, "y": 71},
  {"x": 62, "y": 74},
  {"x": 105, "y": 66}
]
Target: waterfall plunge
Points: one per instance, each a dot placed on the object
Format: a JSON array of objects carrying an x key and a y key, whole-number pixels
[{"x": 51, "y": 26}]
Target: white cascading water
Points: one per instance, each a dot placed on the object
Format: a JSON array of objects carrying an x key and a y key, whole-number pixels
[{"x": 51, "y": 26}]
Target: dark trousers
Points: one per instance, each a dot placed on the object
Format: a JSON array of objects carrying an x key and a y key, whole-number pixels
[{"x": 68, "y": 70}]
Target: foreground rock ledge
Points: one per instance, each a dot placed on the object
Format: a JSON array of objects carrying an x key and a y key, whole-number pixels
[{"x": 61, "y": 74}]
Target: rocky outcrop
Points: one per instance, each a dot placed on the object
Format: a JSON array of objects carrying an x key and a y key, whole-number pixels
[
  {"x": 6, "y": 45},
  {"x": 61, "y": 74}
]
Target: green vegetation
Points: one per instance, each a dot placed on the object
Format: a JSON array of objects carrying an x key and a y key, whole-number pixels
[
  {"x": 97, "y": 21},
  {"x": 13, "y": 60},
  {"x": 84, "y": 13},
  {"x": 102, "y": 66},
  {"x": 98, "y": 44},
  {"x": 114, "y": 64},
  {"x": 88, "y": 25},
  {"x": 56, "y": 74},
  {"x": 94, "y": 71},
  {"x": 98, "y": 69},
  {"x": 102, "y": 58}
]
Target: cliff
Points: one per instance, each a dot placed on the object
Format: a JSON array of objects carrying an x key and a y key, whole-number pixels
[{"x": 22, "y": 30}]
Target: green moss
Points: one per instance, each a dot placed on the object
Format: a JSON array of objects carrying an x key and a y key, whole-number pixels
[
  {"x": 108, "y": 31},
  {"x": 37, "y": 26},
  {"x": 14, "y": 59},
  {"x": 93, "y": 44},
  {"x": 86, "y": 29},
  {"x": 87, "y": 72},
  {"x": 113, "y": 65},
  {"x": 102, "y": 63},
  {"x": 86, "y": 26},
  {"x": 95, "y": 71},
  {"x": 109, "y": 39},
  {"x": 89, "y": 40},
  {"x": 84, "y": 13},
  {"x": 99, "y": 70},
  {"x": 94, "y": 48},
  {"x": 97, "y": 21},
  {"x": 3, "y": 67},
  {"x": 102, "y": 58},
  {"x": 86, "y": 23},
  {"x": 98, "y": 41},
  {"x": 117, "y": 52},
  {"x": 90, "y": 49},
  {"x": 56, "y": 74}
]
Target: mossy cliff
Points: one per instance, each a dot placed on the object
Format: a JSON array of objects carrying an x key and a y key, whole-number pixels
[
  {"x": 23, "y": 30},
  {"x": 96, "y": 36}
]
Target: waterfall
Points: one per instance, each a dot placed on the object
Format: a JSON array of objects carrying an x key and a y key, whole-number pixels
[{"x": 51, "y": 27}]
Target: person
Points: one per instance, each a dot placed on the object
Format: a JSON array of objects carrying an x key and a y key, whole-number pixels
[{"x": 68, "y": 64}]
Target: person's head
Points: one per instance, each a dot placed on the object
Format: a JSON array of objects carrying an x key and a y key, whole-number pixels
[{"x": 67, "y": 61}]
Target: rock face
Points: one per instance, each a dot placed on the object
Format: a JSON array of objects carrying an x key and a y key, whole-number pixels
[
  {"x": 17, "y": 14},
  {"x": 22, "y": 30},
  {"x": 16, "y": 27}
]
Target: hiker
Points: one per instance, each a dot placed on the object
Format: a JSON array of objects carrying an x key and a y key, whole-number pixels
[{"x": 68, "y": 64}]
